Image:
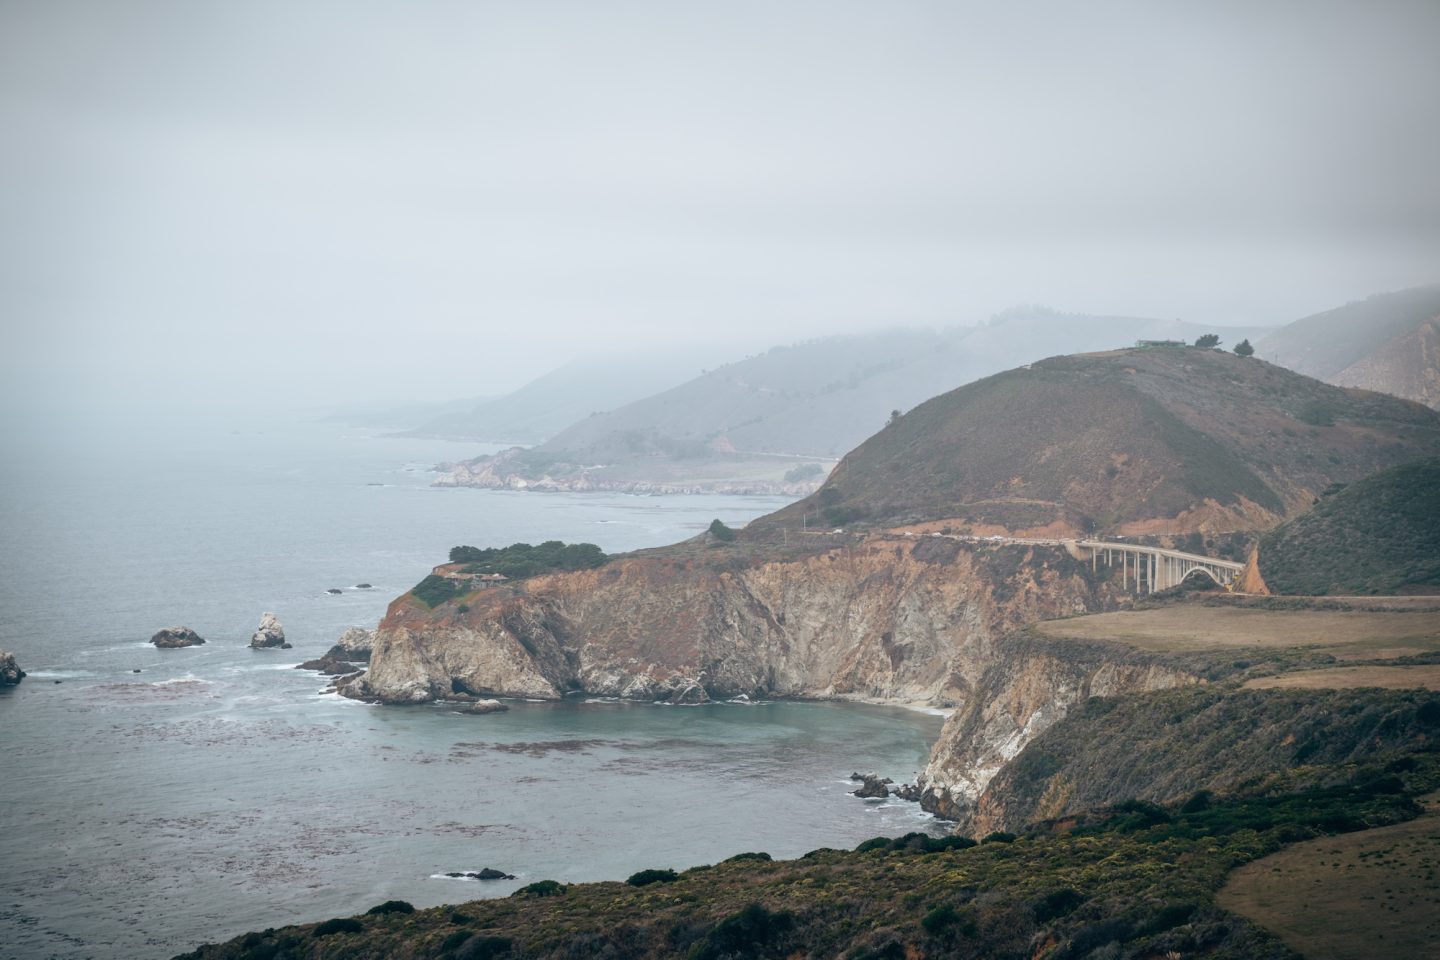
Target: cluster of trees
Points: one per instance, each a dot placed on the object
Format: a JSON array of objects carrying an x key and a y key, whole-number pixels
[
  {"x": 526, "y": 560},
  {"x": 1212, "y": 340}
]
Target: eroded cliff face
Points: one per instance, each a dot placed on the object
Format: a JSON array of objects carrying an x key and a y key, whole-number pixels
[
  {"x": 910, "y": 620},
  {"x": 1029, "y": 685},
  {"x": 887, "y": 618}
]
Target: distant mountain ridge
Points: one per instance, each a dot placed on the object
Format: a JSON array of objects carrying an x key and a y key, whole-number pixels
[
  {"x": 553, "y": 401},
  {"x": 822, "y": 397},
  {"x": 744, "y": 427},
  {"x": 1388, "y": 342}
]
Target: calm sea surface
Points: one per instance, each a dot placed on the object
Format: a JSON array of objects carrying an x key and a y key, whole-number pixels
[{"x": 218, "y": 790}]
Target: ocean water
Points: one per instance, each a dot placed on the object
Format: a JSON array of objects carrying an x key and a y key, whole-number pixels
[{"x": 219, "y": 790}]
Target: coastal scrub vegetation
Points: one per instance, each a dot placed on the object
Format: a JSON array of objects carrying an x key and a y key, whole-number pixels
[
  {"x": 1377, "y": 535},
  {"x": 435, "y": 590},
  {"x": 525, "y": 560},
  {"x": 1128, "y": 881}
]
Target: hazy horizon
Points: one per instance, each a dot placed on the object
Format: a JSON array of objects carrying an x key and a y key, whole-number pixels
[{"x": 293, "y": 206}]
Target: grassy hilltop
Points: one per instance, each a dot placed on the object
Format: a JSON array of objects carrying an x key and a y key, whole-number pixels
[{"x": 1112, "y": 441}]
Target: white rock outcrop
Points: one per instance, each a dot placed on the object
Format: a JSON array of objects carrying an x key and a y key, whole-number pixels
[{"x": 269, "y": 634}]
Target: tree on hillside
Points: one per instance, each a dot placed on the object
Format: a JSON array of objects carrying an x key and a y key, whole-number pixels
[
  {"x": 1208, "y": 340},
  {"x": 1243, "y": 349},
  {"x": 894, "y": 415},
  {"x": 719, "y": 531}
]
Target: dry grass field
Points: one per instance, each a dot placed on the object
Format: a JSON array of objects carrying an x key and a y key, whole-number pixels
[
  {"x": 1193, "y": 628},
  {"x": 1339, "y": 678},
  {"x": 1358, "y": 896}
]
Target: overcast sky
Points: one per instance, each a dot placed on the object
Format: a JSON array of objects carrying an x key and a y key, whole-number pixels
[{"x": 306, "y": 201}]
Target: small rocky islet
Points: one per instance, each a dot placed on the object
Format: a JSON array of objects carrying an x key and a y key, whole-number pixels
[
  {"x": 269, "y": 634},
  {"x": 170, "y": 637},
  {"x": 10, "y": 672}
]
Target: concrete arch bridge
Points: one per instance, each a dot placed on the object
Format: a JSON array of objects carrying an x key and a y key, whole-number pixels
[{"x": 1148, "y": 569}]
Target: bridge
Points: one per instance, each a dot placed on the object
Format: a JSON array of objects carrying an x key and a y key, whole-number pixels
[
  {"x": 1142, "y": 569},
  {"x": 1147, "y": 569}
]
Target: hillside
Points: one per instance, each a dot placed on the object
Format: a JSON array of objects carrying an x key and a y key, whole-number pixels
[
  {"x": 549, "y": 403},
  {"x": 1389, "y": 342},
  {"x": 813, "y": 400},
  {"x": 1160, "y": 441},
  {"x": 1377, "y": 535},
  {"x": 1133, "y": 880}
]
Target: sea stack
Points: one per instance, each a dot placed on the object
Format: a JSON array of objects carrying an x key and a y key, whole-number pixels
[
  {"x": 176, "y": 637},
  {"x": 10, "y": 672},
  {"x": 354, "y": 645},
  {"x": 269, "y": 634}
]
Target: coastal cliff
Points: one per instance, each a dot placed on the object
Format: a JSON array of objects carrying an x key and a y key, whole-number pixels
[
  {"x": 884, "y": 618},
  {"x": 1029, "y": 685}
]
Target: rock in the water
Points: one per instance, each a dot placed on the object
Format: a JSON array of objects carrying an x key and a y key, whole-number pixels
[
  {"x": 486, "y": 706},
  {"x": 10, "y": 672},
  {"x": 688, "y": 693},
  {"x": 269, "y": 634},
  {"x": 354, "y": 645},
  {"x": 336, "y": 591},
  {"x": 908, "y": 791},
  {"x": 177, "y": 637},
  {"x": 873, "y": 788},
  {"x": 362, "y": 586},
  {"x": 484, "y": 874}
]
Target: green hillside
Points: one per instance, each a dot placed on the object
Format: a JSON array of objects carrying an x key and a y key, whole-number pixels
[
  {"x": 1100, "y": 440},
  {"x": 1378, "y": 535}
]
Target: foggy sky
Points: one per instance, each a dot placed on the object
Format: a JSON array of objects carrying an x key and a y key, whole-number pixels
[{"x": 298, "y": 202}]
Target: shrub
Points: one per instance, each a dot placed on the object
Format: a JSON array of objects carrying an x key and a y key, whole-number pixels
[
  {"x": 338, "y": 925},
  {"x": 1057, "y": 903},
  {"x": 938, "y": 919},
  {"x": 482, "y": 948},
  {"x": 748, "y": 856},
  {"x": 390, "y": 906},
  {"x": 874, "y": 843},
  {"x": 435, "y": 590},
  {"x": 999, "y": 836},
  {"x": 720, "y": 532},
  {"x": 521, "y": 560},
  {"x": 647, "y": 877},
  {"x": 454, "y": 940},
  {"x": 743, "y": 934},
  {"x": 541, "y": 888}
]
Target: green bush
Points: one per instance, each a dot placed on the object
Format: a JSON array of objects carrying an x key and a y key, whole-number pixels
[
  {"x": 748, "y": 856},
  {"x": 520, "y": 560},
  {"x": 938, "y": 919},
  {"x": 338, "y": 925},
  {"x": 721, "y": 532},
  {"x": 647, "y": 877},
  {"x": 999, "y": 836},
  {"x": 390, "y": 906},
  {"x": 435, "y": 590},
  {"x": 541, "y": 888},
  {"x": 454, "y": 940},
  {"x": 744, "y": 934}
]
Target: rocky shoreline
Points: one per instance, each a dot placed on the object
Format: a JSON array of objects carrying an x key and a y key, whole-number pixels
[{"x": 502, "y": 472}]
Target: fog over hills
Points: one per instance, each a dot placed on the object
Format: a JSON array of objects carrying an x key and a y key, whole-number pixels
[{"x": 1388, "y": 342}]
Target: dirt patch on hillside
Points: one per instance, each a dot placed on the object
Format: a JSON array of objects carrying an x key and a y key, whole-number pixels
[
  {"x": 1191, "y": 628},
  {"x": 1353, "y": 897},
  {"x": 1340, "y": 678}
]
